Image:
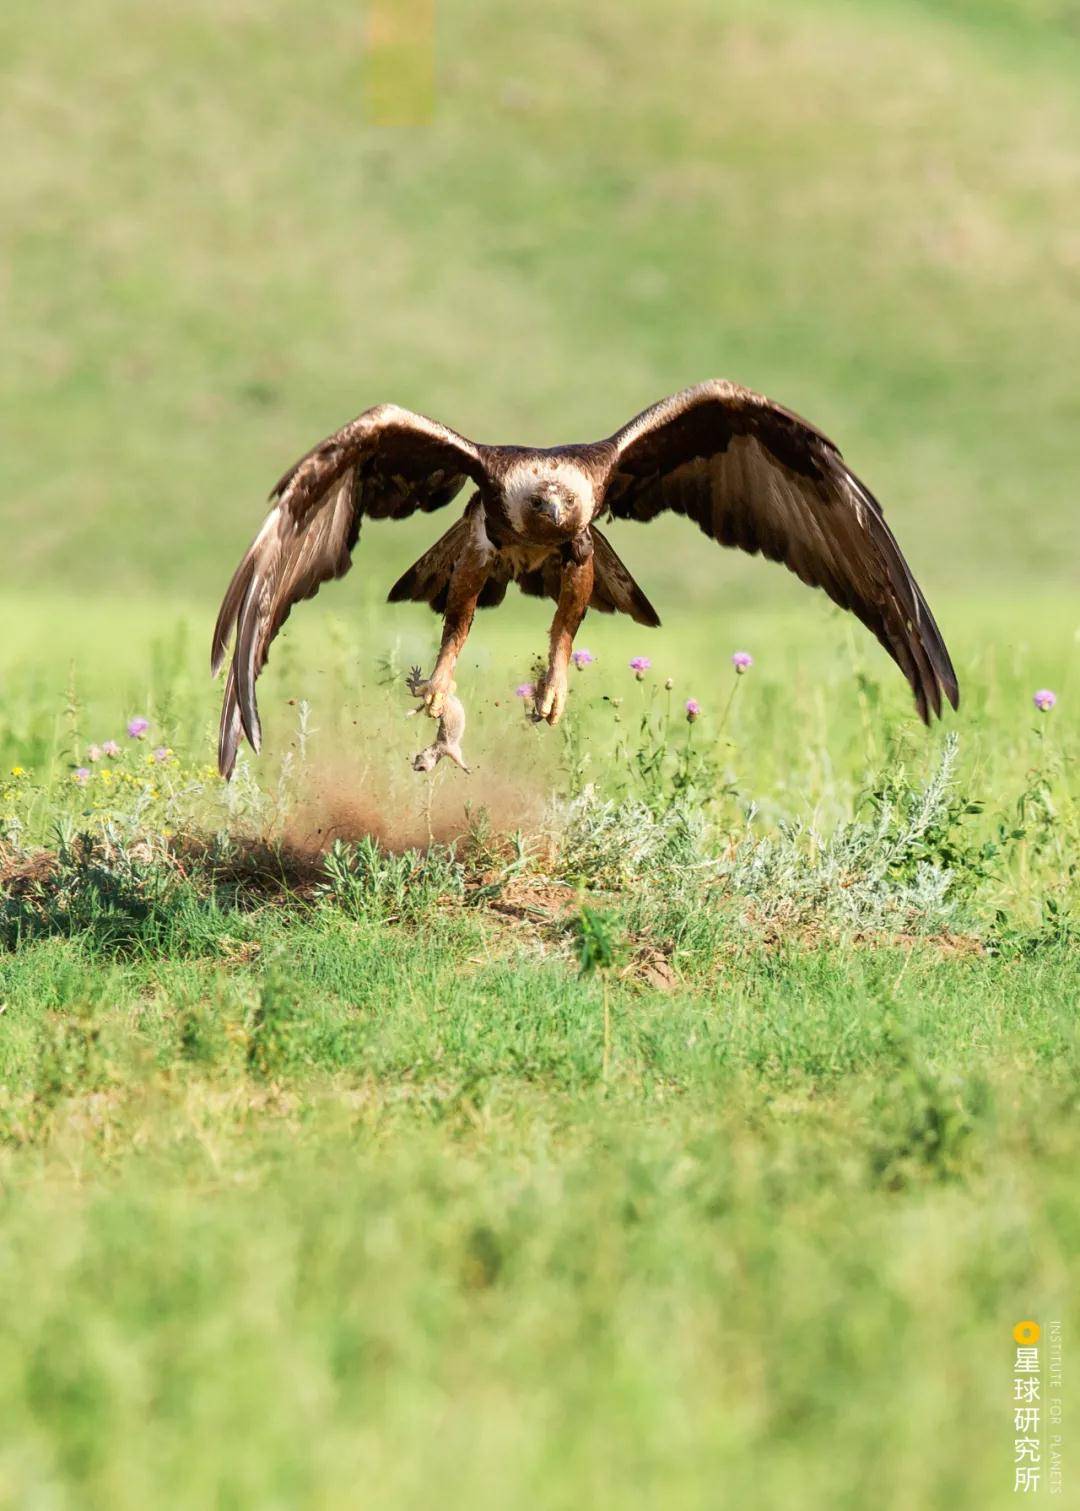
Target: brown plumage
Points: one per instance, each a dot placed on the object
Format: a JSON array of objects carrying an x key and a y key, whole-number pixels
[{"x": 748, "y": 472}]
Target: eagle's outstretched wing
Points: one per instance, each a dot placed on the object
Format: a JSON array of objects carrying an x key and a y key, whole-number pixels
[
  {"x": 385, "y": 464},
  {"x": 754, "y": 475}
]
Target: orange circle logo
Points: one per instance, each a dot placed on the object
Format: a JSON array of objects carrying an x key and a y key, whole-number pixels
[{"x": 1027, "y": 1332}]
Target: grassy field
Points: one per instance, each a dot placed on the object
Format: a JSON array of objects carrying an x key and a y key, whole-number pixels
[{"x": 667, "y": 1113}]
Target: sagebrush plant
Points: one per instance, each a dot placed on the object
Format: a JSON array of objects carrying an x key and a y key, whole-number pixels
[
  {"x": 364, "y": 881},
  {"x": 109, "y": 888},
  {"x": 912, "y": 866},
  {"x": 611, "y": 844}
]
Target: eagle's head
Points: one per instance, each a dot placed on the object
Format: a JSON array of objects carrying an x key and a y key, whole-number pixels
[{"x": 548, "y": 499}]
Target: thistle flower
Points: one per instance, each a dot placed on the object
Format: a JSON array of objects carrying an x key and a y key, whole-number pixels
[
  {"x": 1044, "y": 700},
  {"x": 693, "y": 709},
  {"x": 639, "y": 666},
  {"x": 137, "y": 728},
  {"x": 582, "y": 658},
  {"x": 110, "y": 748},
  {"x": 93, "y": 753},
  {"x": 525, "y": 690},
  {"x": 742, "y": 661},
  {"x": 81, "y": 775}
]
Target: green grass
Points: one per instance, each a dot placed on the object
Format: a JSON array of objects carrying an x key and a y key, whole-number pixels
[
  {"x": 371, "y": 1216},
  {"x": 336, "y": 1181},
  {"x": 360, "y": 1189}
]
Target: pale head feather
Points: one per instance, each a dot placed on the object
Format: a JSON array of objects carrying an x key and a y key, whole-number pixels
[{"x": 527, "y": 477}]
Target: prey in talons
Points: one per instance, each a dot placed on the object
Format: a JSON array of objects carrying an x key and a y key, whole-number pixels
[{"x": 451, "y": 724}]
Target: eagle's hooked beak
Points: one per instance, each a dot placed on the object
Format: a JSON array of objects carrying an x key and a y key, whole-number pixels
[{"x": 547, "y": 502}]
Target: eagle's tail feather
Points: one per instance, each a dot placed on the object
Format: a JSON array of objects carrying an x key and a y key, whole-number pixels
[
  {"x": 614, "y": 590},
  {"x": 428, "y": 579}
]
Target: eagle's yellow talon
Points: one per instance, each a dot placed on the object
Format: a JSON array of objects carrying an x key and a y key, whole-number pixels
[{"x": 436, "y": 692}]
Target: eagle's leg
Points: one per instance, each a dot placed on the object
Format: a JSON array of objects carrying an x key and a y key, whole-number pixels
[
  {"x": 466, "y": 584},
  {"x": 574, "y": 594}
]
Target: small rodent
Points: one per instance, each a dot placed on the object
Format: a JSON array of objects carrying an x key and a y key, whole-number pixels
[{"x": 451, "y": 726}]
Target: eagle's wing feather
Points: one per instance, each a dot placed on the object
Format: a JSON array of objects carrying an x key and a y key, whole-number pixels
[
  {"x": 756, "y": 476},
  {"x": 385, "y": 464}
]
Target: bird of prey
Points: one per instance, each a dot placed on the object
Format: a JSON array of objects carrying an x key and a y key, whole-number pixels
[{"x": 746, "y": 471}]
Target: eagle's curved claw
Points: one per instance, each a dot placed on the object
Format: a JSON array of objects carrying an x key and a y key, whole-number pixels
[
  {"x": 432, "y": 691},
  {"x": 551, "y": 697},
  {"x": 438, "y": 688}
]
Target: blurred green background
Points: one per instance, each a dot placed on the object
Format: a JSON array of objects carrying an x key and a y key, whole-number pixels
[{"x": 210, "y": 260}]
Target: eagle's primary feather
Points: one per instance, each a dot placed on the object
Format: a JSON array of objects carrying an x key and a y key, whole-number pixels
[
  {"x": 747, "y": 471},
  {"x": 387, "y": 463},
  {"x": 754, "y": 475}
]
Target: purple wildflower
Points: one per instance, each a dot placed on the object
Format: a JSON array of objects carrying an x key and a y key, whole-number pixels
[
  {"x": 742, "y": 661},
  {"x": 525, "y": 690},
  {"x": 1044, "y": 700},
  {"x": 639, "y": 666},
  {"x": 582, "y": 658},
  {"x": 93, "y": 753},
  {"x": 81, "y": 775},
  {"x": 137, "y": 728},
  {"x": 693, "y": 708},
  {"x": 110, "y": 748}
]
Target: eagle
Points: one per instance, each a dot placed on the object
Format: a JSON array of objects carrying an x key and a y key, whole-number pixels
[{"x": 748, "y": 472}]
